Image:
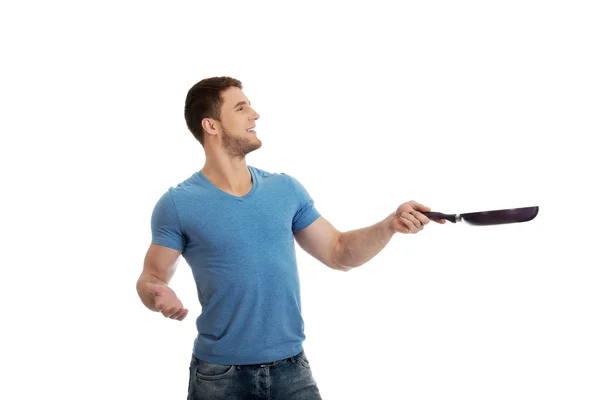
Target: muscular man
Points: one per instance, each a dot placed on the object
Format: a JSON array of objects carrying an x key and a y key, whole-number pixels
[{"x": 236, "y": 226}]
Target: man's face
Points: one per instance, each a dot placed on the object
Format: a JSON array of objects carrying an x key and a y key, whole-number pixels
[{"x": 238, "y": 122}]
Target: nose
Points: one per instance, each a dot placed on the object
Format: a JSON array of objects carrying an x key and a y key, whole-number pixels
[{"x": 256, "y": 115}]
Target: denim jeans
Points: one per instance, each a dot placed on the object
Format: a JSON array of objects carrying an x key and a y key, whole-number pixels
[{"x": 287, "y": 379}]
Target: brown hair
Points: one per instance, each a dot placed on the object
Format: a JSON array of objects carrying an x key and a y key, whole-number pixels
[{"x": 204, "y": 101}]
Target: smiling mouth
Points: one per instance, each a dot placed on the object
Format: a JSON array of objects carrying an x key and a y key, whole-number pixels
[{"x": 251, "y": 130}]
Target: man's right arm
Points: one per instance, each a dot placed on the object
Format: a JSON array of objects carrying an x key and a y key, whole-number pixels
[{"x": 160, "y": 264}]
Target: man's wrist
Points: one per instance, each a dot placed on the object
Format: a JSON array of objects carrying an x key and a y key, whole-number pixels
[{"x": 389, "y": 224}]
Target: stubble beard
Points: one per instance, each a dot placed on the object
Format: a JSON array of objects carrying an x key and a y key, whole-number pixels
[{"x": 238, "y": 147}]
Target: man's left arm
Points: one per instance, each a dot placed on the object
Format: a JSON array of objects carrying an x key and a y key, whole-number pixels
[{"x": 346, "y": 250}]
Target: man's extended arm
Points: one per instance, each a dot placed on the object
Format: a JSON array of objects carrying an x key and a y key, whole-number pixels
[
  {"x": 358, "y": 246},
  {"x": 346, "y": 250}
]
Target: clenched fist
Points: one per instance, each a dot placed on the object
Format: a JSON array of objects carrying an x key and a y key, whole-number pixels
[
  {"x": 166, "y": 302},
  {"x": 408, "y": 217}
]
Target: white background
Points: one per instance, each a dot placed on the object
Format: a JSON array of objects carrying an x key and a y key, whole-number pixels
[{"x": 464, "y": 106}]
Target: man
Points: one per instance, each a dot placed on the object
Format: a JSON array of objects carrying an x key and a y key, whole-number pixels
[{"x": 236, "y": 226}]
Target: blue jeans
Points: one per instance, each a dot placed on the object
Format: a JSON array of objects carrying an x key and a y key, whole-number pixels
[{"x": 287, "y": 379}]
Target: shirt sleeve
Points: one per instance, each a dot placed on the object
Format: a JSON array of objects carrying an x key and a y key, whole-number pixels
[
  {"x": 306, "y": 213},
  {"x": 165, "y": 225}
]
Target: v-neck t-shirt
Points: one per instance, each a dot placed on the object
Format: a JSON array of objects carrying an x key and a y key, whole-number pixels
[{"x": 241, "y": 251}]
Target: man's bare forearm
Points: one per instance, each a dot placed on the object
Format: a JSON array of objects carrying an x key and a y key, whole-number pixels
[
  {"x": 359, "y": 246},
  {"x": 146, "y": 296}
]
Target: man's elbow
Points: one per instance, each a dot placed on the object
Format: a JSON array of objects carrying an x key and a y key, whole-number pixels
[
  {"x": 336, "y": 257},
  {"x": 342, "y": 268}
]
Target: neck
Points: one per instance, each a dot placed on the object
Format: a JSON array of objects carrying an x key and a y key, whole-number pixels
[{"x": 228, "y": 174}]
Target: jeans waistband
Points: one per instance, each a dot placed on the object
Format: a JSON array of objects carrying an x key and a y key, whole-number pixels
[{"x": 271, "y": 363}]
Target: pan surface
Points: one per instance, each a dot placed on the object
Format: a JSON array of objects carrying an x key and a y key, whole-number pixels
[
  {"x": 507, "y": 216},
  {"x": 494, "y": 217}
]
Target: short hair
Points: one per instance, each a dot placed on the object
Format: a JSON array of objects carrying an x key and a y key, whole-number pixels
[{"x": 204, "y": 101}]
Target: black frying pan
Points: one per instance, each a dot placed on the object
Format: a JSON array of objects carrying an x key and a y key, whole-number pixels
[{"x": 494, "y": 217}]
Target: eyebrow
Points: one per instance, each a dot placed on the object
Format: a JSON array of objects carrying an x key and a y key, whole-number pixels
[{"x": 241, "y": 103}]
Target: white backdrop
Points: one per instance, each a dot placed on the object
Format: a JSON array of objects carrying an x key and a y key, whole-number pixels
[{"x": 463, "y": 106}]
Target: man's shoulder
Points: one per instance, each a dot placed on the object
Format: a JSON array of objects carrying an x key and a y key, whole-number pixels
[
  {"x": 188, "y": 186},
  {"x": 286, "y": 178},
  {"x": 264, "y": 174}
]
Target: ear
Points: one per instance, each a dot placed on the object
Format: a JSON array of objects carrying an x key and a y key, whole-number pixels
[{"x": 210, "y": 126}]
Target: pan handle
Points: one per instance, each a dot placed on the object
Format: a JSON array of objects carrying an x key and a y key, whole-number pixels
[{"x": 439, "y": 215}]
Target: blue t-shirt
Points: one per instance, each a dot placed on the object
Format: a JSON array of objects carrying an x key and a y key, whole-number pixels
[{"x": 242, "y": 255}]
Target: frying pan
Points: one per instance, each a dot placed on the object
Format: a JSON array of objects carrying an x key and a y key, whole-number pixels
[{"x": 494, "y": 217}]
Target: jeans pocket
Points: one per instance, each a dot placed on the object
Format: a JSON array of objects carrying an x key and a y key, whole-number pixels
[
  {"x": 213, "y": 372},
  {"x": 303, "y": 360}
]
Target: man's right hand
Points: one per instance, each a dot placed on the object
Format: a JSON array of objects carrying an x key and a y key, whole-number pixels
[{"x": 166, "y": 301}]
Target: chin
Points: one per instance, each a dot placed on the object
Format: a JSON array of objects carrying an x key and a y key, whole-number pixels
[{"x": 255, "y": 148}]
